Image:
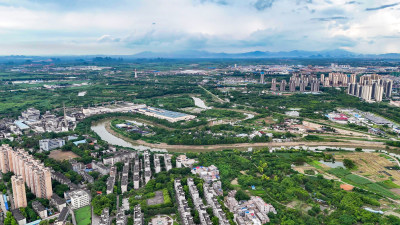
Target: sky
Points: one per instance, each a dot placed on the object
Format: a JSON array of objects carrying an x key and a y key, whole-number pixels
[{"x": 124, "y": 27}]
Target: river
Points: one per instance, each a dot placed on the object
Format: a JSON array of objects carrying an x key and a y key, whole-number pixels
[{"x": 100, "y": 129}]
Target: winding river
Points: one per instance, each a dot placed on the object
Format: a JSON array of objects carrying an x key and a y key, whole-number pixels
[{"x": 100, "y": 129}]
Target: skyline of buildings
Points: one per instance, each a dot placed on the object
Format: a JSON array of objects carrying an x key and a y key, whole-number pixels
[
  {"x": 35, "y": 175},
  {"x": 370, "y": 87}
]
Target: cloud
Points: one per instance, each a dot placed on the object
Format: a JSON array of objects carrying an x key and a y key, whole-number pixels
[
  {"x": 263, "y": 4},
  {"x": 331, "y": 18},
  {"x": 130, "y": 26},
  {"x": 382, "y": 7},
  {"x": 108, "y": 38}
]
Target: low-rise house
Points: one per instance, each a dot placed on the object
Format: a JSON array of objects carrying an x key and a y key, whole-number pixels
[
  {"x": 50, "y": 144},
  {"x": 39, "y": 209},
  {"x": 124, "y": 184},
  {"x": 183, "y": 207},
  {"x": 100, "y": 167},
  {"x": 79, "y": 198},
  {"x": 58, "y": 202},
  {"x": 21, "y": 220},
  {"x": 105, "y": 217},
  {"x": 119, "y": 156},
  {"x": 63, "y": 216}
]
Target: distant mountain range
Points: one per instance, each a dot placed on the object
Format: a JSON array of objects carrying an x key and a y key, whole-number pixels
[
  {"x": 338, "y": 53},
  {"x": 195, "y": 54}
]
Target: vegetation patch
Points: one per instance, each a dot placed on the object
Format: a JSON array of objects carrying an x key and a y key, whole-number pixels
[
  {"x": 381, "y": 190},
  {"x": 357, "y": 179},
  {"x": 83, "y": 215},
  {"x": 339, "y": 172},
  {"x": 388, "y": 184}
]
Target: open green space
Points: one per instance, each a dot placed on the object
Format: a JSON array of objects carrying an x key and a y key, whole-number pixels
[
  {"x": 83, "y": 215},
  {"x": 339, "y": 172}
]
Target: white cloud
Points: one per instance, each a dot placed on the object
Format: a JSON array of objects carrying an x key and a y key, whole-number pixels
[{"x": 126, "y": 27}]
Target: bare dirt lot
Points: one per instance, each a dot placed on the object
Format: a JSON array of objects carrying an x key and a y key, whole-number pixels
[
  {"x": 60, "y": 155},
  {"x": 372, "y": 166}
]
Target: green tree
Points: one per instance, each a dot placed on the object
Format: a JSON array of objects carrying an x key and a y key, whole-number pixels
[{"x": 349, "y": 164}]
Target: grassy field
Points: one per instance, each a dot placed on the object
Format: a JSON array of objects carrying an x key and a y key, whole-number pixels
[
  {"x": 357, "y": 179},
  {"x": 83, "y": 215},
  {"x": 388, "y": 184},
  {"x": 339, "y": 172},
  {"x": 382, "y": 191},
  {"x": 316, "y": 164}
]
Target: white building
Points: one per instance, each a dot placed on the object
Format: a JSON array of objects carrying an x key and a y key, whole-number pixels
[
  {"x": 79, "y": 198},
  {"x": 50, "y": 144}
]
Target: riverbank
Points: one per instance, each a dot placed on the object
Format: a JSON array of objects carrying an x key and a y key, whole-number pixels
[{"x": 103, "y": 129}]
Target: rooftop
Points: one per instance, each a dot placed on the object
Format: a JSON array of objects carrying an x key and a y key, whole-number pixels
[
  {"x": 37, "y": 206},
  {"x": 17, "y": 215}
]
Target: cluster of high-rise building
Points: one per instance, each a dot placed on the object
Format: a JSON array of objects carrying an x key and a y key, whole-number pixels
[
  {"x": 298, "y": 82},
  {"x": 371, "y": 87},
  {"x": 27, "y": 171},
  {"x": 337, "y": 79}
]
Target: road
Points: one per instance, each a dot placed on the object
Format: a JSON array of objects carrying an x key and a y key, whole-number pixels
[
  {"x": 73, "y": 215},
  {"x": 214, "y": 96}
]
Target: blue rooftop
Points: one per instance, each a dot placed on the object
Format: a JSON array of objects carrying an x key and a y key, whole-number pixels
[
  {"x": 34, "y": 222},
  {"x": 165, "y": 113},
  {"x": 21, "y": 125},
  {"x": 80, "y": 142}
]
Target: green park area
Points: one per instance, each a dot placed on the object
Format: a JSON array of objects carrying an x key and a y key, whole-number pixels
[{"x": 83, "y": 216}]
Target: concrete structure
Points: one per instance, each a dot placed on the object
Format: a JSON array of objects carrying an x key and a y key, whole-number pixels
[
  {"x": 30, "y": 114},
  {"x": 283, "y": 85},
  {"x": 63, "y": 216},
  {"x": 182, "y": 160},
  {"x": 198, "y": 203},
  {"x": 167, "y": 162},
  {"x": 136, "y": 174},
  {"x": 105, "y": 217},
  {"x": 79, "y": 198},
  {"x": 58, "y": 202},
  {"x": 147, "y": 169},
  {"x": 253, "y": 211},
  {"x": 183, "y": 207},
  {"x": 371, "y": 87},
  {"x": 273, "y": 85},
  {"x": 124, "y": 107},
  {"x": 157, "y": 164},
  {"x": 35, "y": 175},
  {"x": 208, "y": 174},
  {"x": 165, "y": 114},
  {"x": 120, "y": 217},
  {"x": 211, "y": 198},
  {"x": 111, "y": 180},
  {"x": 39, "y": 209},
  {"x": 262, "y": 79},
  {"x": 120, "y": 156},
  {"x": 50, "y": 144},
  {"x": 138, "y": 217},
  {"x": 100, "y": 167},
  {"x": 21, "y": 220},
  {"x": 124, "y": 179},
  {"x": 19, "y": 193}
]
